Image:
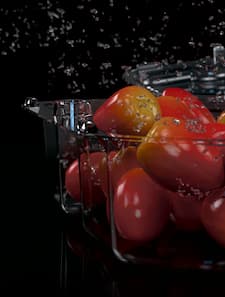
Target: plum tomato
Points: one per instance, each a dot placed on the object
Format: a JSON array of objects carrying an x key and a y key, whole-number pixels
[
  {"x": 90, "y": 178},
  {"x": 216, "y": 131},
  {"x": 213, "y": 216},
  {"x": 129, "y": 111},
  {"x": 221, "y": 118},
  {"x": 171, "y": 106},
  {"x": 123, "y": 161},
  {"x": 176, "y": 155},
  {"x": 195, "y": 105},
  {"x": 141, "y": 208},
  {"x": 72, "y": 180},
  {"x": 104, "y": 169},
  {"x": 186, "y": 212},
  {"x": 118, "y": 163}
]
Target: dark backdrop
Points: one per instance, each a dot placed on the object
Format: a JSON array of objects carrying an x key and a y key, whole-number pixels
[{"x": 79, "y": 48}]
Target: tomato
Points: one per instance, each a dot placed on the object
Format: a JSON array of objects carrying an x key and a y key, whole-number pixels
[
  {"x": 131, "y": 110},
  {"x": 213, "y": 216},
  {"x": 195, "y": 105},
  {"x": 72, "y": 180},
  {"x": 186, "y": 212},
  {"x": 221, "y": 118},
  {"x": 123, "y": 161},
  {"x": 216, "y": 131},
  {"x": 104, "y": 169},
  {"x": 90, "y": 183},
  {"x": 118, "y": 163},
  {"x": 174, "y": 107},
  {"x": 141, "y": 208},
  {"x": 176, "y": 157}
]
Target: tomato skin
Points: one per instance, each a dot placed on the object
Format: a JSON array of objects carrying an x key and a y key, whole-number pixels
[
  {"x": 213, "y": 216},
  {"x": 169, "y": 155},
  {"x": 196, "y": 107},
  {"x": 118, "y": 163},
  {"x": 129, "y": 111},
  {"x": 123, "y": 161},
  {"x": 186, "y": 212},
  {"x": 216, "y": 131},
  {"x": 72, "y": 180},
  {"x": 221, "y": 118},
  {"x": 141, "y": 208},
  {"x": 103, "y": 171},
  {"x": 171, "y": 106},
  {"x": 90, "y": 183}
]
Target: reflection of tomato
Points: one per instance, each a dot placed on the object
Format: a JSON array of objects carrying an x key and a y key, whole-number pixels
[
  {"x": 213, "y": 216},
  {"x": 131, "y": 110},
  {"x": 195, "y": 105},
  {"x": 174, "y": 107},
  {"x": 169, "y": 154},
  {"x": 186, "y": 212},
  {"x": 141, "y": 208},
  {"x": 89, "y": 166},
  {"x": 221, "y": 118}
]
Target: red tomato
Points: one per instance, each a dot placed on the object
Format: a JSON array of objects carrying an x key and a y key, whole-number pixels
[
  {"x": 216, "y": 131},
  {"x": 186, "y": 212},
  {"x": 123, "y": 161},
  {"x": 171, "y": 156},
  {"x": 72, "y": 180},
  {"x": 104, "y": 169},
  {"x": 131, "y": 110},
  {"x": 89, "y": 166},
  {"x": 221, "y": 118},
  {"x": 171, "y": 106},
  {"x": 118, "y": 164},
  {"x": 141, "y": 208},
  {"x": 195, "y": 105},
  {"x": 213, "y": 216}
]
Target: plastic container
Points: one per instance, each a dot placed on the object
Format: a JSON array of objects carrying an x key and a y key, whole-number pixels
[
  {"x": 71, "y": 136},
  {"x": 174, "y": 247}
]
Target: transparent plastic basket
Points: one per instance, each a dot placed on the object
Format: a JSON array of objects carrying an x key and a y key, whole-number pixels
[{"x": 173, "y": 248}]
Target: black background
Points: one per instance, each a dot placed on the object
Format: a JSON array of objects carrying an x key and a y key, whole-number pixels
[{"x": 54, "y": 49}]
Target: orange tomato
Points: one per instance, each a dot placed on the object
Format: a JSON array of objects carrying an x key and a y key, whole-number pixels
[
  {"x": 221, "y": 118},
  {"x": 131, "y": 110},
  {"x": 175, "y": 155}
]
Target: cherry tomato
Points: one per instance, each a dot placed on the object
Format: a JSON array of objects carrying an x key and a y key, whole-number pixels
[
  {"x": 221, "y": 118},
  {"x": 171, "y": 106},
  {"x": 213, "y": 216},
  {"x": 131, "y": 110},
  {"x": 141, "y": 208},
  {"x": 195, "y": 105},
  {"x": 176, "y": 157},
  {"x": 90, "y": 183}
]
